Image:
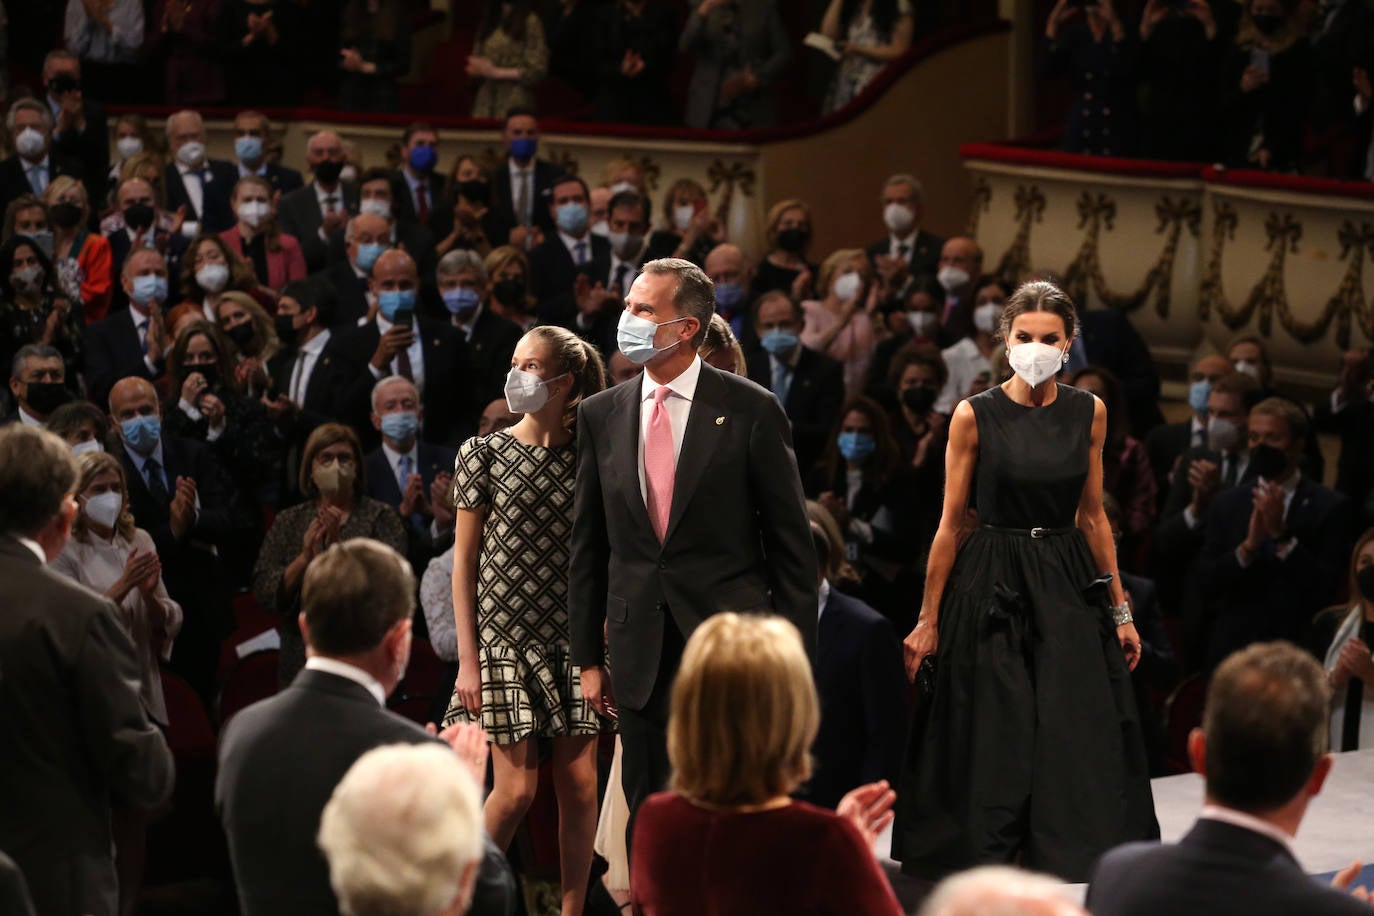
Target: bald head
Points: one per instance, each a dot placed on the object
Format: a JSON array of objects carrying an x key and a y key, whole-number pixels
[
  {"x": 726, "y": 264},
  {"x": 394, "y": 271},
  {"x": 132, "y": 397},
  {"x": 322, "y": 144},
  {"x": 962, "y": 252}
]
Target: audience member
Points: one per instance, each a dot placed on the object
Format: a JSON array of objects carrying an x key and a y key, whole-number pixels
[
  {"x": 731, "y": 275},
  {"x": 353, "y": 611},
  {"x": 252, "y": 340},
  {"x": 690, "y": 230},
  {"x": 496, "y": 417},
  {"x": 376, "y": 197},
  {"x": 921, "y": 433},
  {"x": 474, "y": 221},
  {"x": 210, "y": 271},
  {"x": 107, "y": 40},
  {"x": 27, "y": 215},
  {"x": 840, "y": 324},
  {"x": 402, "y": 831},
  {"x": 37, "y": 383},
  {"x": 1267, "y": 703},
  {"x": 80, "y": 128},
  {"x": 727, "y": 838},
  {"x": 419, "y": 188},
  {"x": 253, "y": 141},
  {"x": 786, "y": 266},
  {"x": 908, "y": 249},
  {"x": 960, "y": 266},
  {"x": 78, "y": 737},
  {"x": 1097, "y": 52},
  {"x": 132, "y": 342},
  {"x": 1349, "y": 413},
  {"x": 509, "y": 57},
  {"x": 195, "y": 182},
  {"x": 132, "y": 135},
  {"x": 1166, "y": 442},
  {"x": 317, "y": 212},
  {"x": 635, "y": 53},
  {"x": 569, "y": 252},
  {"x": 969, "y": 359},
  {"x": 508, "y": 270},
  {"x": 1342, "y": 636},
  {"x": 32, "y": 308},
  {"x": 908, "y": 321},
  {"x": 137, "y": 223},
  {"x": 1271, "y": 555},
  {"x": 1342, "y": 39},
  {"x": 720, "y": 349},
  {"x": 999, "y": 890},
  {"x": 808, "y": 384},
  {"x": 741, "y": 47},
  {"x": 274, "y": 255},
  {"x": 465, "y": 289},
  {"x": 187, "y": 41},
  {"x": 869, "y": 34},
  {"x": 261, "y": 41},
  {"x": 81, "y": 425},
  {"x": 520, "y": 191},
  {"x": 34, "y": 163},
  {"x": 1267, "y": 85},
  {"x": 374, "y": 54},
  {"x": 1107, "y": 338},
  {"x": 81, "y": 258},
  {"x": 366, "y": 238},
  {"x": 1182, "y": 52}
]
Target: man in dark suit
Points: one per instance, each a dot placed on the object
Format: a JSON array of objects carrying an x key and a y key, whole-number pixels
[
  {"x": 280, "y": 759},
  {"x": 317, "y": 212},
  {"x": 14, "y": 890},
  {"x": 377, "y": 196},
  {"x": 463, "y": 286},
  {"x": 35, "y": 163},
  {"x": 402, "y": 470},
  {"x": 687, "y": 502},
  {"x": 862, "y": 688},
  {"x": 183, "y": 498},
  {"x": 395, "y": 341},
  {"x": 132, "y": 342},
  {"x": 252, "y": 134},
  {"x": 570, "y": 251},
  {"x": 365, "y": 237},
  {"x": 908, "y": 248},
  {"x": 137, "y": 202},
  {"x": 1349, "y": 413},
  {"x": 419, "y": 191},
  {"x": 1269, "y": 705},
  {"x": 520, "y": 190},
  {"x": 809, "y": 384},
  {"x": 1166, "y": 442},
  {"x": 80, "y": 130},
  {"x": 1272, "y": 555},
  {"x": 1107, "y": 338},
  {"x": 959, "y": 267},
  {"x": 76, "y": 734},
  {"x": 195, "y": 183}
]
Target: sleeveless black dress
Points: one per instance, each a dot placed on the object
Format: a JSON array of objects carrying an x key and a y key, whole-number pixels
[{"x": 1030, "y": 750}]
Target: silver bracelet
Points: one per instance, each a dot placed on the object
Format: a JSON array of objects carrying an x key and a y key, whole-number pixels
[{"x": 1121, "y": 614}]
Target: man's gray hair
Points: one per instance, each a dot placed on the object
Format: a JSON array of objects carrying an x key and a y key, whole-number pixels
[
  {"x": 999, "y": 890},
  {"x": 29, "y": 105},
  {"x": 695, "y": 294},
  {"x": 917, "y": 191},
  {"x": 184, "y": 113},
  {"x": 402, "y": 832},
  {"x": 391, "y": 380},
  {"x": 459, "y": 260},
  {"x": 32, "y": 351},
  {"x": 129, "y": 260}
]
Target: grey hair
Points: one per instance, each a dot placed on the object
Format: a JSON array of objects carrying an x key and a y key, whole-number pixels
[
  {"x": 917, "y": 190},
  {"x": 695, "y": 294},
  {"x": 997, "y": 890},
  {"x": 184, "y": 113},
  {"x": 32, "y": 351},
  {"x": 29, "y": 105},
  {"x": 459, "y": 260},
  {"x": 389, "y": 380},
  {"x": 129, "y": 260}
]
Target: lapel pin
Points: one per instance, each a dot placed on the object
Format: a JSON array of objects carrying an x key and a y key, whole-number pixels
[{"x": 720, "y": 421}]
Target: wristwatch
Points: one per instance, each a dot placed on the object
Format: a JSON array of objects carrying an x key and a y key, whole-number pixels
[{"x": 1121, "y": 614}]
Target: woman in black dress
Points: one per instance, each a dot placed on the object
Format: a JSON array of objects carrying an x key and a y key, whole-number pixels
[{"x": 1029, "y": 749}]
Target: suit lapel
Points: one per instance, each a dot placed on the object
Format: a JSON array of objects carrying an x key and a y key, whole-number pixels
[
  {"x": 705, "y": 422},
  {"x": 623, "y": 429}
]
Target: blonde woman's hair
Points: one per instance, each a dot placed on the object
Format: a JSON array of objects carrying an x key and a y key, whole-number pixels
[
  {"x": 89, "y": 467},
  {"x": 61, "y": 185},
  {"x": 743, "y": 713},
  {"x": 836, "y": 262}
]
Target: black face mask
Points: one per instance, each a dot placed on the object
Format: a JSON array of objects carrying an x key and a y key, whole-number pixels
[
  {"x": 1364, "y": 581},
  {"x": 919, "y": 400},
  {"x": 208, "y": 371},
  {"x": 793, "y": 240},
  {"x": 510, "y": 291},
  {"x": 1267, "y": 23},
  {"x": 1268, "y": 462},
  {"x": 286, "y": 330},
  {"x": 45, "y": 397},
  {"x": 65, "y": 215},
  {"x": 475, "y": 190},
  {"x": 240, "y": 334},
  {"x": 138, "y": 217},
  {"x": 328, "y": 171}
]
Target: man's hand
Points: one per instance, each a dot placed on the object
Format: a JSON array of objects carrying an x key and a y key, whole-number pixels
[
  {"x": 281, "y": 410},
  {"x": 469, "y": 742},
  {"x": 737, "y": 85},
  {"x": 1205, "y": 478},
  {"x": 1253, "y": 78},
  {"x": 394, "y": 341},
  {"x": 181, "y": 514},
  {"x": 213, "y": 408},
  {"x": 335, "y": 222},
  {"x": 526, "y": 237},
  {"x": 869, "y": 808},
  {"x": 479, "y": 67},
  {"x": 440, "y": 503},
  {"x": 596, "y": 690},
  {"x": 1346, "y": 877},
  {"x": 1266, "y": 518},
  {"x": 413, "y": 499},
  {"x": 591, "y": 300}
]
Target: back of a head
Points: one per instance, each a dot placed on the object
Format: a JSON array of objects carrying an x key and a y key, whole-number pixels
[
  {"x": 999, "y": 890},
  {"x": 743, "y": 712},
  {"x": 1266, "y": 726},
  {"x": 403, "y": 833},
  {"x": 354, "y": 593},
  {"x": 37, "y": 472}
]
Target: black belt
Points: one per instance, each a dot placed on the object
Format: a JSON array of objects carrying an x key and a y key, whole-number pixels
[{"x": 1033, "y": 533}]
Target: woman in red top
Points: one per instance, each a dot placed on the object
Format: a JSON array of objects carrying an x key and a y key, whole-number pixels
[
  {"x": 82, "y": 258},
  {"x": 728, "y": 839}
]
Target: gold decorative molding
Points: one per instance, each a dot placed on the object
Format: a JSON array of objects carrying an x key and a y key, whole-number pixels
[
  {"x": 650, "y": 171},
  {"x": 730, "y": 177},
  {"x": 982, "y": 197},
  {"x": 1085, "y": 271},
  {"x": 1269, "y": 293},
  {"x": 564, "y": 160},
  {"x": 1030, "y": 209}
]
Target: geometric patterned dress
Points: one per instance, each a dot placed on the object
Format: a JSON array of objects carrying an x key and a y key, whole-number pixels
[{"x": 529, "y": 684}]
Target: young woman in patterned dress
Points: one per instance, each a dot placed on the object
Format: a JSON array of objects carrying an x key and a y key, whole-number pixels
[{"x": 513, "y": 492}]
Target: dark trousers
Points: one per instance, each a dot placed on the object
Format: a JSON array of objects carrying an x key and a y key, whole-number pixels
[{"x": 644, "y": 733}]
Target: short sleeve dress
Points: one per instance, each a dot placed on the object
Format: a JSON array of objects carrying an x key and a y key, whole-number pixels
[{"x": 529, "y": 684}]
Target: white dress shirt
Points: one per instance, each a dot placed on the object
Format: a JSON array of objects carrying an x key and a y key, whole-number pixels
[
  {"x": 324, "y": 197},
  {"x": 35, "y": 548},
  {"x": 27, "y": 418},
  {"x": 467, "y": 327},
  {"x": 679, "y": 407},
  {"x": 195, "y": 187},
  {"x": 965, "y": 363},
  {"x": 822, "y": 596},
  {"x": 571, "y": 244},
  {"x": 306, "y": 357},
  {"x": 894, "y": 247},
  {"x": 351, "y": 672},
  {"x": 140, "y": 321},
  {"x": 415, "y": 351},
  {"x": 631, "y": 271},
  {"x": 394, "y": 457},
  {"x": 415, "y": 184},
  {"x": 523, "y": 206}
]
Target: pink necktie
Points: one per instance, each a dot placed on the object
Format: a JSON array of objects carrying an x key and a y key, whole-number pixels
[{"x": 659, "y": 464}]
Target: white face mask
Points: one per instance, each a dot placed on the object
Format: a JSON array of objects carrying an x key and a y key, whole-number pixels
[
  {"x": 104, "y": 509},
  {"x": 898, "y": 217},
  {"x": 951, "y": 278},
  {"x": 1036, "y": 363},
  {"x": 1222, "y": 434},
  {"x": 253, "y": 212},
  {"x": 30, "y": 143},
  {"x": 191, "y": 154},
  {"x": 621, "y": 186},
  {"x": 985, "y": 316},
  {"x": 128, "y": 146},
  {"x": 602, "y": 229},
  {"x": 847, "y": 286},
  {"x": 923, "y": 324},
  {"x": 375, "y": 206},
  {"x": 212, "y": 277},
  {"x": 90, "y": 445},
  {"x": 527, "y": 392},
  {"x": 682, "y": 217},
  {"x": 1246, "y": 367},
  {"x": 625, "y": 244}
]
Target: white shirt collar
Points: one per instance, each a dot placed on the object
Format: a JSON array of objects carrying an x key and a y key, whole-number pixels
[
  {"x": 517, "y": 171},
  {"x": 1248, "y": 822},
  {"x": 823, "y": 595},
  {"x": 894, "y": 243},
  {"x": 684, "y": 386},
  {"x": 188, "y": 170},
  {"x": 137, "y": 317},
  {"x": 1198, "y": 426},
  {"x": 315, "y": 345},
  {"x": 569, "y": 242},
  {"x": 141, "y": 460},
  {"x": 394, "y": 457},
  {"x": 37, "y": 550},
  {"x": 351, "y": 672},
  {"x": 1290, "y": 483},
  {"x": 322, "y": 195},
  {"x": 27, "y": 418},
  {"x": 467, "y": 326}
]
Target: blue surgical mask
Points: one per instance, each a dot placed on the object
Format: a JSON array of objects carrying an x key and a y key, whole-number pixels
[
  {"x": 459, "y": 300},
  {"x": 779, "y": 342},
  {"x": 368, "y": 253},
  {"x": 635, "y": 337},
  {"x": 728, "y": 297},
  {"x": 248, "y": 149},
  {"x": 1198, "y": 392},
  {"x": 857, "y": 447},
  {"x": 401, "y": 426},
  {"x": 142, "y": 433},
  {"x": 572, "y": 218},
  {"x": 391, "y": 301},
  {"x": 149, "y": 288},
  {"x": 523, "y": 148},
  {"x": 423, "y": 159}
]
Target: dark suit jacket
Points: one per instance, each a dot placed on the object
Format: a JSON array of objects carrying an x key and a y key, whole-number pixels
[
  {"x": 1354, "y": 469},
  {"x": 440, "y": 221},
  {"x": 172, "y": 247},
  {"x": 279, "y": 761},
  {"x": 112, "y": 353},
  {"x": 77, "y": 738},
  {"x": 490, "y": 348},
  {"x": 553, "y": 273},
  {"x": 737, "y": 535},
  {"x": 1273, "y": 598},
  {"x": 421, "y": 546},
  {"x": 1215, "y": 868},
  {"x": 324, "y": 391},
  {"x": 862, "y": 687},
  {"x": 299, "y": 214},
  {"x": 350, "y": 291},
  {"x": 91, "y": 147},
  {"x": 1163, "y": 445},
  {"x": 503, "y": 218},
  {"x": 813, "y": 401},
  {"x": 1112, "y": 342},
  {"x": 14, "y": 890},
  {"x": 14, "y": 180},
  {"x": 923, "y": 258},
  {"x": 283, "y": 178},
  {"x": 218, "y": 215}
]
